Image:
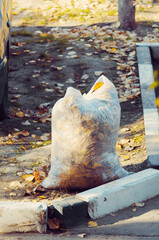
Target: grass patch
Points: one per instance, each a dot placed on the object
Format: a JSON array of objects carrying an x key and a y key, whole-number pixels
[
  {"x": 23, "y": 33},
  {"x": 138, "y": 138},
  {"x": 37, "y": 145},
  {"x": 39, "y": 86},
  {"x": 141, "y": 9},
  {"x": 112, "y": 12},
  {"x": 62, "y": 44},
  {"x": 28, "y": 20},
  {"x": 44, "y": 55},
  {"x": 109, "y": 39},
  {"x": 101, "y": 1},
  {"x": 73, "y": 13},
  {"x": 29, "y": 41},
  {"x": 45, "y": 38},
  {"x": 23, "y": 9},
  {"x": 36, "y": 164}
]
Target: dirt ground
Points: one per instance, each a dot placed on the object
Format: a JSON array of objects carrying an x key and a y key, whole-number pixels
[{"x": 43, "y": 63}]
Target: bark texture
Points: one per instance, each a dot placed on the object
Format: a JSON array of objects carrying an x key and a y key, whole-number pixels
[{"x": 126, "y": 14}]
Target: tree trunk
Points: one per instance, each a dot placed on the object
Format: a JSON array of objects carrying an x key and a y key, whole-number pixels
[{"x": 126, "y": 14}]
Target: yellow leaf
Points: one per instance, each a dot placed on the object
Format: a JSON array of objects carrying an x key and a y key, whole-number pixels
[
  {"x": 42, "y": 197},
  {"x": 33, "y": 136},
  {"x": 44, "y": 34},
  {"x": 154, "y": 85},
  {"x": 114, "y": 50},
  {"x": 87, "y": 10},
  {"x": 126, "y": 157},
  {"x": 119, "y": 146},
  {"x": 20, "y": 114},
  {"x": 10, "y": 136},
  {"x": 23, "y": 148},
  {"x": 14, "y": 13},
  {"x": 92, "y": 224},
  {"x": 28, "y": 177},
  {"x": 157, "y": 102},
  {"x": 98, "y": 85},
  {"x": 155, "y": 73}
]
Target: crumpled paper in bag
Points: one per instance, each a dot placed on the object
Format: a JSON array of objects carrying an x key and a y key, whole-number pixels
[{"x": 84, "y": 135}]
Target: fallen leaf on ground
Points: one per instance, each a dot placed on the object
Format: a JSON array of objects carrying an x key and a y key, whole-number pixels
[
  {"x": 23, "y": 148},
  {"x": 17, "y": 96},
  {"x": 13, "y": 100},
  {"x": 36, "y": 75},
  {"x": 54, "y": 223},
  {"x": 43, "y": 119},
  {"x": 119, "y": 146},
  {"x": 12, "y": 194},
  {"x": 14, "y": 13},
  {"x": 112, "y": 214},
  {"x": 157, "y": 102},
  {"x": 82, "y": 235},
  {"x": 125, "y": 130},
  {"x": 28, "y": 177},
  {"x": 25, "y": 133},
  {"x": 19, "y": 114},
  {"x": 16, "y": 53},
  {"x": 98, "y": 73},
  {"x": 71, "y": 53},
  {"x": 92, "y": 224},
  {"x": 140, "y": 204},
  {"x": 26, "y": 123},
  {"x": 42, "y": 197},
  {"x": 44, "y": 137},
  {"x": 134, "y": 209},
  {"x": 37, "y": 176},
  {"x": 126, "y": 158}
]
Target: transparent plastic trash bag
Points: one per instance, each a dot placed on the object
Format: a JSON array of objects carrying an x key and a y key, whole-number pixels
[{"x": 84, "y": 135}]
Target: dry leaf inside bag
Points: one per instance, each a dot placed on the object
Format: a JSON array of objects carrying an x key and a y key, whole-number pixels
[{"x": 84, "y": 136}]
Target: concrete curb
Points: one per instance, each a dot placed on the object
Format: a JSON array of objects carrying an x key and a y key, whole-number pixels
[
  {"x": 23, "y": 217},
  {"x": 121, "y": 193},
  {"x": 151, "y": 117},
  {"x": 93, "y": 203},
  {"x": 108, "y": 198},
  {"x": 70, "y": 211}
]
